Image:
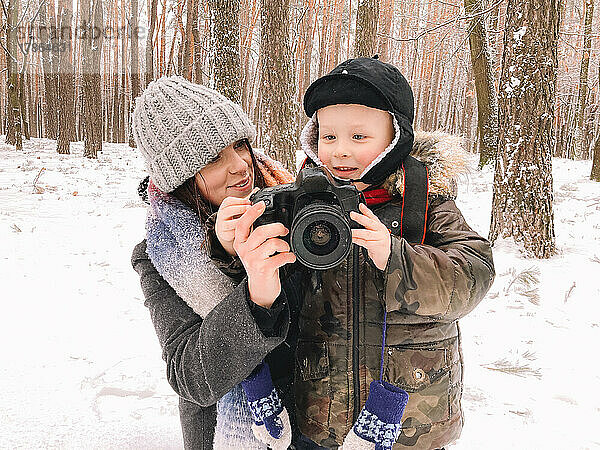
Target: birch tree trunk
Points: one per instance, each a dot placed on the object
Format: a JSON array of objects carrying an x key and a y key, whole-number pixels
[
  {"x": 366, "y": 28},
  {"x": 281, "y": 137},
  {"x": 487, "y": 101},
  {"x": 225, "y": 54},
  {"x": 580, "y": 150},
  {"x": 91, "y": 46},
  {"x": 522, "y": 194}
]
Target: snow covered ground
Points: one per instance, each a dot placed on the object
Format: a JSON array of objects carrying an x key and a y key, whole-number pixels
[{"x": 81, "y": 365}]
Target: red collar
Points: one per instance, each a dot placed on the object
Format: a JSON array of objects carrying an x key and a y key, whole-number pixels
[{"x": 376, "y": 196}]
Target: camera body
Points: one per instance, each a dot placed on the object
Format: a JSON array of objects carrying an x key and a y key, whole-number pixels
[{"x": 316, "y": 209}]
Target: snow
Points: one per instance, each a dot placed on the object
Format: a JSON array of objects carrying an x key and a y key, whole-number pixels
[{"x": 81, "y": 364}]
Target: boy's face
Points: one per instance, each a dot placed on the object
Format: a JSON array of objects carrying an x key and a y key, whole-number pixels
[{"x": 351, "y": 137}]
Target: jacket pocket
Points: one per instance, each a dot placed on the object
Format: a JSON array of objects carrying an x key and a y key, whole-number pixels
[
  {"x": 311, "y": 386},
  {"x": 424, "y": 372}
]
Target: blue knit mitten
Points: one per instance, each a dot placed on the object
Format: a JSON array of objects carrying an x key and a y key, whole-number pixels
[
  {"x": 271, "y": 421},
  {"x": 380, "y": 421}
]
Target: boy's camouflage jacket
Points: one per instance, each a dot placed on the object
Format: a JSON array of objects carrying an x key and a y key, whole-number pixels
[{"x": 425, "y": 288}]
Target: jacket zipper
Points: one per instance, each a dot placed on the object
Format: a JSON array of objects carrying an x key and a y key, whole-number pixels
[{"x": 355, "y": 300}]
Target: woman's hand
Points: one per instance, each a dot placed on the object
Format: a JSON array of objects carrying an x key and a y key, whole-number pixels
[
  {"x": 262, "y": 253},
  {"x": 230, "y": 211},
  {"x": 375, "y": 237}
]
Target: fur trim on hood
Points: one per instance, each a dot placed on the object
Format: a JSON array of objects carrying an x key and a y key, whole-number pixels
[
  {"x": 443, "y": 154},
  {"x": 446, "y": 160}
]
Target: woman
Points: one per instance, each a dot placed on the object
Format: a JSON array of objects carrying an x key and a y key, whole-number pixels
[{"x": 215, "y": 325}]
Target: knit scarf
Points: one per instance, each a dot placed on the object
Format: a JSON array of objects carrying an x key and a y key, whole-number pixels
[{"x": 175, "y": 244}]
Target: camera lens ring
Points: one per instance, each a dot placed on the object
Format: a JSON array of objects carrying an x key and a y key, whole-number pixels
[{"x": 331, "y": 217}]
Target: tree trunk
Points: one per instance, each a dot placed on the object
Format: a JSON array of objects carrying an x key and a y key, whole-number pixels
[
  {"x": 580, "y": 150},
  {"x": 278, "y": 83},
  {"x": 197, "y": 49},
  {"x": 152, "y": 4},
  {"x": 595, "y": 175},
  {"x": 14, "y": 111},
  {"x": 123, "y": 99},
  {"x": 22, "y": 107},
  {"x": 522, "y": 194},
  {"x": 326, "y": 19},
  {"x": 487, "y": 102},
  {"x": 366, "y": 28},
  {"x": 66, "y": 128},
  {"x": 91, "y": 45},
  {"x": 386, "y": 18},
  {"x": 191, "y": 24},
  {"x": 305, "y": 55},
  {"x": 135, "y": 68},
  {"x": 225, "y": 53},
  {"x": 47, "y": 38}
]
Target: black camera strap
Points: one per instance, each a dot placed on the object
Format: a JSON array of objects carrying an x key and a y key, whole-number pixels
[
  {"x": 409, "y": 219},
  {"x": 413, "y": 218}
]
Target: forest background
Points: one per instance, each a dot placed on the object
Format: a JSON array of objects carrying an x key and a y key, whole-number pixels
[{"x": 520, "y": 81}]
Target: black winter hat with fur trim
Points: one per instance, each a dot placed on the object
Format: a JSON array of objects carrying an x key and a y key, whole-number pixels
[{"x": 373, "y": 83}]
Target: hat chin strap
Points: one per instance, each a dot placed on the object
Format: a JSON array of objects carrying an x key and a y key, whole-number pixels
[{"x": 310, "y": 135}]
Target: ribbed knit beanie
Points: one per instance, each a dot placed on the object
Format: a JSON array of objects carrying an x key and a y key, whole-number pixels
[{"x": 180, "y": 126}]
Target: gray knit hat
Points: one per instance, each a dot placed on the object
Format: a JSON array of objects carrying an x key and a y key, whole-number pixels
[{"x": 180, "y": 127}]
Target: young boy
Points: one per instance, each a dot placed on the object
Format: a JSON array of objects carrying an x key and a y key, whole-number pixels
[
  {"x": 385, "y": 319},
  {"x": 422, "y": 267}
]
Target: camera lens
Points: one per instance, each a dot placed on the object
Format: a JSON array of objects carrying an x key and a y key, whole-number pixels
[{"x": 320, "y": 236}]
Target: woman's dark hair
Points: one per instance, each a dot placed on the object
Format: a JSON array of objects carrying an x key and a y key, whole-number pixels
[{"x": 189, "y": 194}]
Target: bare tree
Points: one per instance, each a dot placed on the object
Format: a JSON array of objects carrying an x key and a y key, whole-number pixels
[
  {"x": 522, "y": 197},
  {"x": 595, "y": 175},
  {"x": 580, "y": 141},
  {"x": 487, "y": 101},
  {"x": 135, "y": 69},
  {"x": 14, "y": 136},
  {"x": 91, "y": 18},
  {"x": 49, "y": 66},
  {"x": 66, "y": 102},
  {"x": 386, "y": 18},
  {"x": 305, "y": 47},
  {"x": 191, "y": 27},
  {"x": 365, "y": 41},
  {"x": 152, "y": 5},
  {"x": 278, "y": 83},
  {"x": 225, "y": 52}
]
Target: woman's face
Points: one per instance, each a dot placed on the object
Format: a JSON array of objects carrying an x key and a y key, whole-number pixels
[{"x": 230, "y": 174}]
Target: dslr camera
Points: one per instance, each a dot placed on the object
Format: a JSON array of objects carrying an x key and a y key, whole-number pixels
[{"x": 316, "y": 210}]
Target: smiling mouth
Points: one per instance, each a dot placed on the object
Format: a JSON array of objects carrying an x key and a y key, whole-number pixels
[
  {"x": 242, "y": 184},
  {"x": 345, "y": 170}
]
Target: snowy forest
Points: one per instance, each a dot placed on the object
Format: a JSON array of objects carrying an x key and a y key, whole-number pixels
[{"x": 518, "y": 81}]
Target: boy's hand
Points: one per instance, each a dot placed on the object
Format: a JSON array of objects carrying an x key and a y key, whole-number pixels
[
  {"x": 375, "y": 237},
  {"x": 230, "y": 211}
]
